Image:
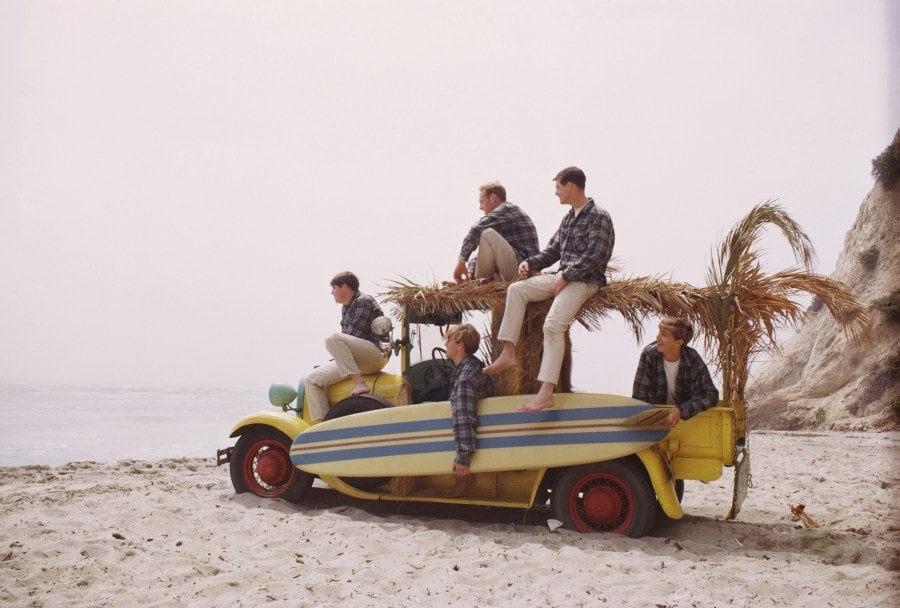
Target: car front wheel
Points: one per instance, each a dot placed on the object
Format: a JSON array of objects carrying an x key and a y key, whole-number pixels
[{"x": 261, "y": 464}]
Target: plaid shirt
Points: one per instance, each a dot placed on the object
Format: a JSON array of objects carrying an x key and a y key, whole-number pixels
[
  {"x": 357, "y": 316},
  {"x": 469, "y": 384},
  {"x": 512, "y": 224},
  {"x": 694, "y": 389},
  {"x": 582, "y": 245}
]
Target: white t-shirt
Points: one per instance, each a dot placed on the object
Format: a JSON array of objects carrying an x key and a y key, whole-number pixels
[{"x": 671, "y": 368}]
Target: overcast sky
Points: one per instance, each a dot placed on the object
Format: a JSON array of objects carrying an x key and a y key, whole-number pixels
[{"x": 180, "y": 180}]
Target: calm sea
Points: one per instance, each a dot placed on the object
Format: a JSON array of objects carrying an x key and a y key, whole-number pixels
[{"x": 56, "y": 424}]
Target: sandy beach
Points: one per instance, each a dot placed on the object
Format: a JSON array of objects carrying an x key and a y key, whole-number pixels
[{"x": 172, "y": 532}]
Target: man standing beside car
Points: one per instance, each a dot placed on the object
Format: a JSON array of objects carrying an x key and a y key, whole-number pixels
[
  {"x": 468, "y": 385},
  {"x": 355, "y": 349},
  {"x": 504, "y": 237}
]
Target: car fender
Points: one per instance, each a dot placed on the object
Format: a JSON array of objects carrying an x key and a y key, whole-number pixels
[
  {"x": 662, "y": 481},
  {"x": 286, "y": 422}
]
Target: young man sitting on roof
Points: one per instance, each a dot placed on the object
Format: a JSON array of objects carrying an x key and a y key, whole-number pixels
[
  {"x": 504, "y": 236},
  {"x": 582, "y": 245},
  {"x": 355, "y": 349}
]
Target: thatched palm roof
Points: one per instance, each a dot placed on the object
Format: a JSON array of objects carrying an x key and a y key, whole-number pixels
[
  {"x": 737, "y": 313},
  {"x": 635, "y": 299}
]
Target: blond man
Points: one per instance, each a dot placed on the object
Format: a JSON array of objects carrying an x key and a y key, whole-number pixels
[
  {"x": 670, "y": 371},
  {"x": 504, "y": 237},
  {"x": 468, "y": 385}
]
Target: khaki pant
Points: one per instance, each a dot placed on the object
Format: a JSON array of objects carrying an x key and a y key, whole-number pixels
[
  {"x": 495, "y": 257},
  {"x": 562, "y": 312},
  {"x": 352, "y": 355}
]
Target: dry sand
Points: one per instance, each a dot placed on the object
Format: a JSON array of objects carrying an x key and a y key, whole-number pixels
[{"x": 173, "y": 533}]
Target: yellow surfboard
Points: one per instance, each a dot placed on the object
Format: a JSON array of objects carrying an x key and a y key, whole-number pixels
[{"x": 416, "y": 440}]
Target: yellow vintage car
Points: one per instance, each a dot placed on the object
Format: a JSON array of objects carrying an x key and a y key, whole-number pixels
[{"x": 604, "y": 463}]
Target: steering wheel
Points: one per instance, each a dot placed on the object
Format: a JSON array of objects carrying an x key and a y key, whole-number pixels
[{"x": 438, "y": 366}]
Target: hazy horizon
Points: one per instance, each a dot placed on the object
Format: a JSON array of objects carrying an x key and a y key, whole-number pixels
[{"x": 179, "y": 181}]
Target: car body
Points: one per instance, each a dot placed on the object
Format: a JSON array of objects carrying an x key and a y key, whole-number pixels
[{"x": 626, "y": 494}]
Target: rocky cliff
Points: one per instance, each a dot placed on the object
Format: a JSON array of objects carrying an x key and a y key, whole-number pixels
[{"x": 825, "y": 379}]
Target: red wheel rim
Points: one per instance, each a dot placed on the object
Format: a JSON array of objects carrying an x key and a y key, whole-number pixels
[
  {"x": 601, "y": 503},
  {"x": 267, "y": 468}
]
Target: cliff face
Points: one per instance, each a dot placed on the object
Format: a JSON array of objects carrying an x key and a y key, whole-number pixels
[{"x": 823, "y": 378}]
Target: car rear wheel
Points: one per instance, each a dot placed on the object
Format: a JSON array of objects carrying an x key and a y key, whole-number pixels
[
  {"x": 261, "y": 464},
  {"x": 614, "y": 496}
]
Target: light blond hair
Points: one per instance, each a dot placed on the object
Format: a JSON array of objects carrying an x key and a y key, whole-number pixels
[
  {"x": 465, "y": 334},
  {"x": 681, "y": 328},
  {"x": 494, "y": 188}
]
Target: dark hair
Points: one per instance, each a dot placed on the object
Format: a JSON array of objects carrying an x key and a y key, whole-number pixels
[
  {"x": 571, "y": 174},
  {"x": 681, "y": 329},
  {"x": 345, "y": 278},
  {"x": 494, "y": 188}
]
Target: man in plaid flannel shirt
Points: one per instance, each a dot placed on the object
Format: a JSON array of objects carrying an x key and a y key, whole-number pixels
[
  {"x": 469, "y": 384},
  {"x": 504, "y": 237},
  {"x": 355, "y": 350},
  {"x": 670, "y": 371},
  {"x": 582, "y": 246}
]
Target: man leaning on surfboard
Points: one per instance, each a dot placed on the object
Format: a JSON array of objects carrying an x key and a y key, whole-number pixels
[
  {"x": 669, "y": 371},
  {"x": 468, "y": 385}
]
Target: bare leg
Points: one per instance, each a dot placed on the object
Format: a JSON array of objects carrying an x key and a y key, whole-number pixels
[
  {"x": 542, "y": 401},
  {"x": 506, "y": 360},
  {"x": 361, "y": 387}
]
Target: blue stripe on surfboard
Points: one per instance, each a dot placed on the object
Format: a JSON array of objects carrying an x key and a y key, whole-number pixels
[
  {"x": 372, "y": 430},
  {"x": 484, "y": 421},
  {"x": 631, "y": 436},
  {"x": 406, "y": 449},
  {"x": 551, "y": 415}
]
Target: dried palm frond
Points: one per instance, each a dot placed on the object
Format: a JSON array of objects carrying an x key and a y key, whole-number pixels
[
  {"x": 635, "y": 299},
  {"x": 737, "y": 313},
  {"x": 742, "y": 307},
  {"x": 447, "y": 299},
  {"x": 737, "y": 252}
]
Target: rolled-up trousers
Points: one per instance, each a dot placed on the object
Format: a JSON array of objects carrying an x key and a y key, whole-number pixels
[
  {"x": 562, "y": 312},
  {"x": 496, "y": 257},
  {"x": 352, "y": 355}
]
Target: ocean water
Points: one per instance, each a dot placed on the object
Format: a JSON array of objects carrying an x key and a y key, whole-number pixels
[{"x": 56, "y": 424}]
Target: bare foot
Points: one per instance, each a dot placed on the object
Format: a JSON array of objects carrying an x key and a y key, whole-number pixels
[
  {"x": 505, "y": 361},
  {"x": 361, "y": 389},
  {"x": 537, "y": 403},
  {"x": 462, "y": 484}
]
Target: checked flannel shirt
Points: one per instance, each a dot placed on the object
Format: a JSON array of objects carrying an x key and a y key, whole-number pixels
[
  {"x": 513, "y": 225},
  {"x": 694, "y": 389},
  {"x": 357, "y": 316},
  {"x": 582, "y": 245},
  {"x": 469, "y": 384}
]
